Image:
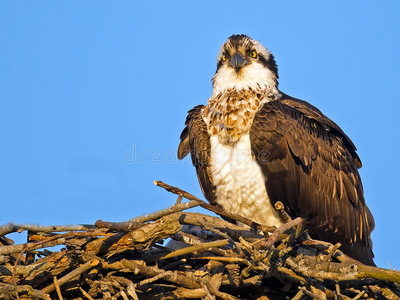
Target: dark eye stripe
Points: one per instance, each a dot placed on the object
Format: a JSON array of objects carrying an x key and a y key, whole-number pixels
[{"x": 270, "y": 63}]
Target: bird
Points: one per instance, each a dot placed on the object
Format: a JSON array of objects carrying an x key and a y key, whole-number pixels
[{"x": 253, "y": 145}]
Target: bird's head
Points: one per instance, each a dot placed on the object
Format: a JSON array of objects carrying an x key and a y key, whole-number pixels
[{"x": 242, "y": 63}]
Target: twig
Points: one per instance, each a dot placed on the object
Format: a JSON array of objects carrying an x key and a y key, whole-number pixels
[
  {"x": 194, "y": 248},
  {"x": 170, "y": 276},
  {"x": 24, "y": 270},
  {"x": 332, "y": 251},
  {"x": 57, "y": 288},
  {"x": 86, "y": 294},
  {"x": 182, "y": 293},
  {"x": 85, "y": 267},
  {"x": 152, "y": 279},
  {"x": 25, "y": 290},
  {"x": 106, "y": 292},
  {"x": 158, "y": 214},
  {"x": 299, "y": 295},
  {"x": 131, "y": 291},
  {"x": 14, "y": 280},
  {"x": 122, "y": 293},
  {"x": 226, "y": 259},
  {"x": 55, "y": 228},
  {"x": 292, "y": 274},
  {"x": 11, "y": 227},
  {"x": 206, "y": 221},
  {"x": 118, "y": 226},
  {"x": 226, "y": 236},
  {"x": 280, "y": 208},
  {"x": 309, "y": 293},
  {"x": 216, "y": 209},
  {"x": 8, "y": 228},
  {"x": 322, "y": 246},
  {"x": 220, "y": 294},
  {"x": 342, "y": 271},
  {"x": 359, "y": 295},
  {"x": 317, "y": 273},
  {"x": 275, "y": 235},
  {"x": 388, "y": 294},
  {"x": 48, "y": 242},
  {"x": 337, "y": 288}
]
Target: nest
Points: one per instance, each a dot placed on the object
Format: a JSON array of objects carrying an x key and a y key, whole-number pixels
[{"x": 216, "y": 259}]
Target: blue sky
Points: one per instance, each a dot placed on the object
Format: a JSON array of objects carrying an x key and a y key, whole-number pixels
[{"x": 94, "y": 94}]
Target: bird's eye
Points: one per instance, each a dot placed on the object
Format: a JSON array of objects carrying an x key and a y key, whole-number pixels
[
  {"x": 253, "y": 54},
  {"x": 224, "y": 57}
]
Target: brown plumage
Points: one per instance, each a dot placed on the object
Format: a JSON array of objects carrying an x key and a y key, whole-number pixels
[{"x": 307, "y": 162}]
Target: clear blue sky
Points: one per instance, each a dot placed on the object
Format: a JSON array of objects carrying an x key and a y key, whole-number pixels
[{"x": 94, "y": 95}]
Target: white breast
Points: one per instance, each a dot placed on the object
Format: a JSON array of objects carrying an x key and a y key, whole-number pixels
[{"x": 240, "y": 182}]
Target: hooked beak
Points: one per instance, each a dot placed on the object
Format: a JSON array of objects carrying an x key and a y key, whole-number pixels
[{"x": 238, "y": 61}]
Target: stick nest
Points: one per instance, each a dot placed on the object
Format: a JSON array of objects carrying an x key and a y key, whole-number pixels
[{"x": 215, "y": 259}]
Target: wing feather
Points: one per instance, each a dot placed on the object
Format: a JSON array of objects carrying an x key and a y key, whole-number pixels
[
  {"x": 196, "y": 141},
  {"x": 312, "y": 168}
]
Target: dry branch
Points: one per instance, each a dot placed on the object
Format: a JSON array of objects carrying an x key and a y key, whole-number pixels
[
  {"x": 217, "y": 259},
  {"x": 76, "y": 272},
  {"x": 216, "y": 209}
]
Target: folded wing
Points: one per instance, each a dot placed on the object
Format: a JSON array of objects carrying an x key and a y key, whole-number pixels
[{"x": 311, "y": 166}]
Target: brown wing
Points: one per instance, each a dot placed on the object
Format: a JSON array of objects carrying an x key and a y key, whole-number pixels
[
  {"x": 195, "y": 140},
  {"x": 312, "y": 112},
  {"x": 310, "y": 166}
]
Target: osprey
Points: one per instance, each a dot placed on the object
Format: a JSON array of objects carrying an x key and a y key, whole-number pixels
[{"x": 253, "y": 145}]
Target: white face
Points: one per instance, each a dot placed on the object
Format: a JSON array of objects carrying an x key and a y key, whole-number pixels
[{"x": 254, "y": 75}]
